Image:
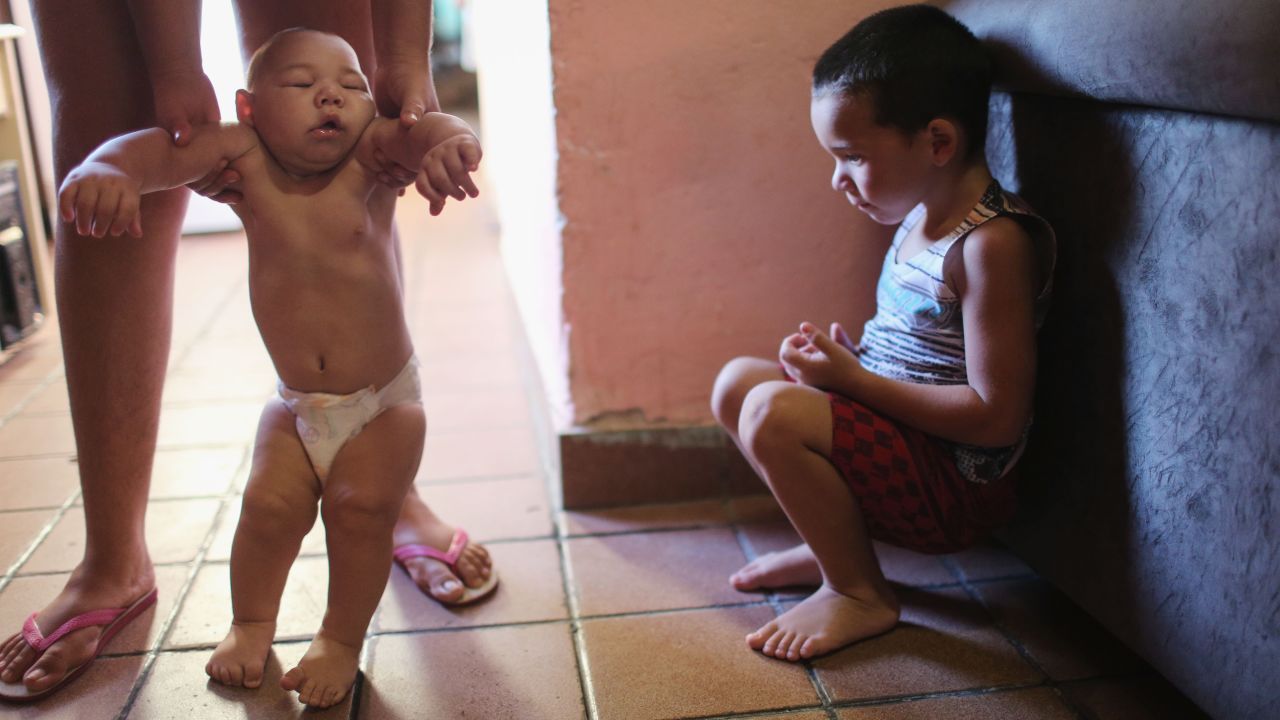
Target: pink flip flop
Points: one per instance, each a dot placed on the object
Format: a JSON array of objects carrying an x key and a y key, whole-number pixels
[
  {"x": 111, "y": 620},
  {"x": 401, "y": 553}
]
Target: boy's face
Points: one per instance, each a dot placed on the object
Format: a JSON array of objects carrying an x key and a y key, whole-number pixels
[
  {"x": 881, "y": 170},
  {"x": 310, "y": 103}
]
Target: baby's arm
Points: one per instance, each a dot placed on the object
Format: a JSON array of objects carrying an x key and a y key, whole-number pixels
[
  {"x": 103, "y": 193},
  {"x": 442, "y": 147},
  {"x": 997, "y": 287}
]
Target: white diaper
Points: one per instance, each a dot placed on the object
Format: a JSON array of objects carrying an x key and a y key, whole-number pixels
[{"x": 326, "y": 422}]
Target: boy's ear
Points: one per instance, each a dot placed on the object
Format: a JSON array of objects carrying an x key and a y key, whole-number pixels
[
  {"x": 944, "y": 140},
  {"x": 244, "y": 107}
]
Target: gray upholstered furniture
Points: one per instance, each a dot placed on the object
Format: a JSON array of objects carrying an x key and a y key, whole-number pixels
[{"x": 1149, "y": 134}]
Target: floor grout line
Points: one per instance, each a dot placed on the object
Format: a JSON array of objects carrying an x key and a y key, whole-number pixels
[
  {"x": 41, "y": 535},
  {"x": 197, "y": 564}
]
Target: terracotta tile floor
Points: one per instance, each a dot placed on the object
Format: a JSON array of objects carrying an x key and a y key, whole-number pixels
[{"x": 619, "y": 614}]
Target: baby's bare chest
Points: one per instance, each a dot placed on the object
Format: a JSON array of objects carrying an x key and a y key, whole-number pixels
[{"x": 333, "y": 222}]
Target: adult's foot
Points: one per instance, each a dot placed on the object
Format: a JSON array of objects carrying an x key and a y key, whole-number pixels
[
  {"x": 788, "y": 568},
  {"x": 325, "y": 673},
  {"x": 86, "y": 590},
  {"x": 825, "y": 622},
  {"x": 241, "y": 656},
  {"x": 418, "y": 525}
]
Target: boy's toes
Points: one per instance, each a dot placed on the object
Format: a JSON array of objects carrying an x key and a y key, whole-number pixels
[
  {"x": 742, "y": 580},
  {"x": 772, "y": 642},
  {"x": 794, "y": 645},
  {"x": 784, "y": 642},
  {"x": 757, "y": 639}
]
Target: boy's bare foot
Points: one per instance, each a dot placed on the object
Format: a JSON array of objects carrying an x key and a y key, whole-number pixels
[
  {"x": 85, "y": 590},
  {"x": 417, "y": 525},
  {"x": 325, "y": 673},
  {"x": 795, "y": 566},
  {"x": 241, "y": 656},
  {"x": 824, "y": 622}
]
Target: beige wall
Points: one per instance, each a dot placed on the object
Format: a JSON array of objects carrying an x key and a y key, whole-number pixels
[{"x": 696, "y": 220}]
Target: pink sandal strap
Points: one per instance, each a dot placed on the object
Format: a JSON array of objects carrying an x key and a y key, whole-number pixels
[
  {"x": 94, "y": 618},
  {"x": 450, "y": 557}
]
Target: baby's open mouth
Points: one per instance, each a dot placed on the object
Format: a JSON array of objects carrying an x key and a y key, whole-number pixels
[{"x": 328, "y": 128}]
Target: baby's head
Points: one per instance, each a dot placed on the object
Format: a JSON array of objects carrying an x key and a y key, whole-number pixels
[
  {"x": 904, "y": 91},
  {"x": 307, "y": 99}
]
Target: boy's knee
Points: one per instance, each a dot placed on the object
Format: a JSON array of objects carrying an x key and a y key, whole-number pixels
[
  {"x": 731, "y": 387},
  {"x": 769, "y": 416}
]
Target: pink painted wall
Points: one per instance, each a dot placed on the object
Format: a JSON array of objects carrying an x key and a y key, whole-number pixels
[{"x": 698, "y": 219}]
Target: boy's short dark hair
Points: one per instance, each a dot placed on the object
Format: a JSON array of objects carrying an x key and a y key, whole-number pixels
[{"x": 916, "y": 63}]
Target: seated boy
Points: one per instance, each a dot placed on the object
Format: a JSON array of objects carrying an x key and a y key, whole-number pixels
[
  {"x": 346, "y": 431},
  {"x": 908, "y": 436}
]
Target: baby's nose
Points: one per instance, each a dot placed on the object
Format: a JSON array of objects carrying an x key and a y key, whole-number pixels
[{"x": 327, "y": 97}]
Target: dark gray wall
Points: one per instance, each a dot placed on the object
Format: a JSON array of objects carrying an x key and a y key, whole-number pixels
[{"x": 1151, "y": 490}]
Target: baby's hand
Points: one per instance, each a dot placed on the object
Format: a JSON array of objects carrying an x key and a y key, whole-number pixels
[
  {"x": 101, "y": 199},
  {"x": 814, "y": 359},
  {"x": 446, "y": 171}
]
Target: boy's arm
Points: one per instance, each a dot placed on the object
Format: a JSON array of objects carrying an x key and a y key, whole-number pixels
[
  {"x": 443, "y": 148},
  {"x": 102, "y": 193},
  {"x": 997, "y": 293}
]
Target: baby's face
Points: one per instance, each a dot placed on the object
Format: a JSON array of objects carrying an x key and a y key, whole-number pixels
[{"x": 310, "y": 103}]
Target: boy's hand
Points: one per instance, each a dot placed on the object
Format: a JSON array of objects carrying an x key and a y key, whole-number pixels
[
  {"x": 839, "y": 335},
  {"x": 814, "y": 359},
  {"x": 102, "y": 199},
  {"x": 446, "y": 171}
]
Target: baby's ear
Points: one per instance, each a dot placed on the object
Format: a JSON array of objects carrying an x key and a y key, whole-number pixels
[{"x": 244, "y": 107}]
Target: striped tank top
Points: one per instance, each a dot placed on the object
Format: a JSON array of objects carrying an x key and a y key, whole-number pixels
[{"x": 917, "y": 333}]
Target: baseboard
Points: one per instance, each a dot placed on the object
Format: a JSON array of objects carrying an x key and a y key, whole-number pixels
[{"x": 603, "y": 468}]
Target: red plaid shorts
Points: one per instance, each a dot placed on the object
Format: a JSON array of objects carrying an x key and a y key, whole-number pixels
[{"x": 907, "y": 484}]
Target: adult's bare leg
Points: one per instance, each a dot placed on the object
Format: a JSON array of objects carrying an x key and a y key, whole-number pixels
[
  {"x": 115, "y": 313},
  {"x": 259, "y": 20}
]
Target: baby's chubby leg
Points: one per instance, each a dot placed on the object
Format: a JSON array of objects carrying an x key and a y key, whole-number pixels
[
  {"x": 278, "y": 510},
  {"x": 362, "y": 498}
]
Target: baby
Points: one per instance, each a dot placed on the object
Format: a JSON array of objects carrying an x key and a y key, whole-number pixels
[{"x": 346, "y": 431}]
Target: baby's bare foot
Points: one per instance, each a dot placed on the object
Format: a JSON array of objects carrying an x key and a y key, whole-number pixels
[
  {"x": 242, "y": 654},
  {"x": 796, "y": 566},
  {"x": 325, "y": 673},
  {"x": 824, "y": 622}
]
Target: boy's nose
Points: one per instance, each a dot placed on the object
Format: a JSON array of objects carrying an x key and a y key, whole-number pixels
[{"x": 840, "y": 180}]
